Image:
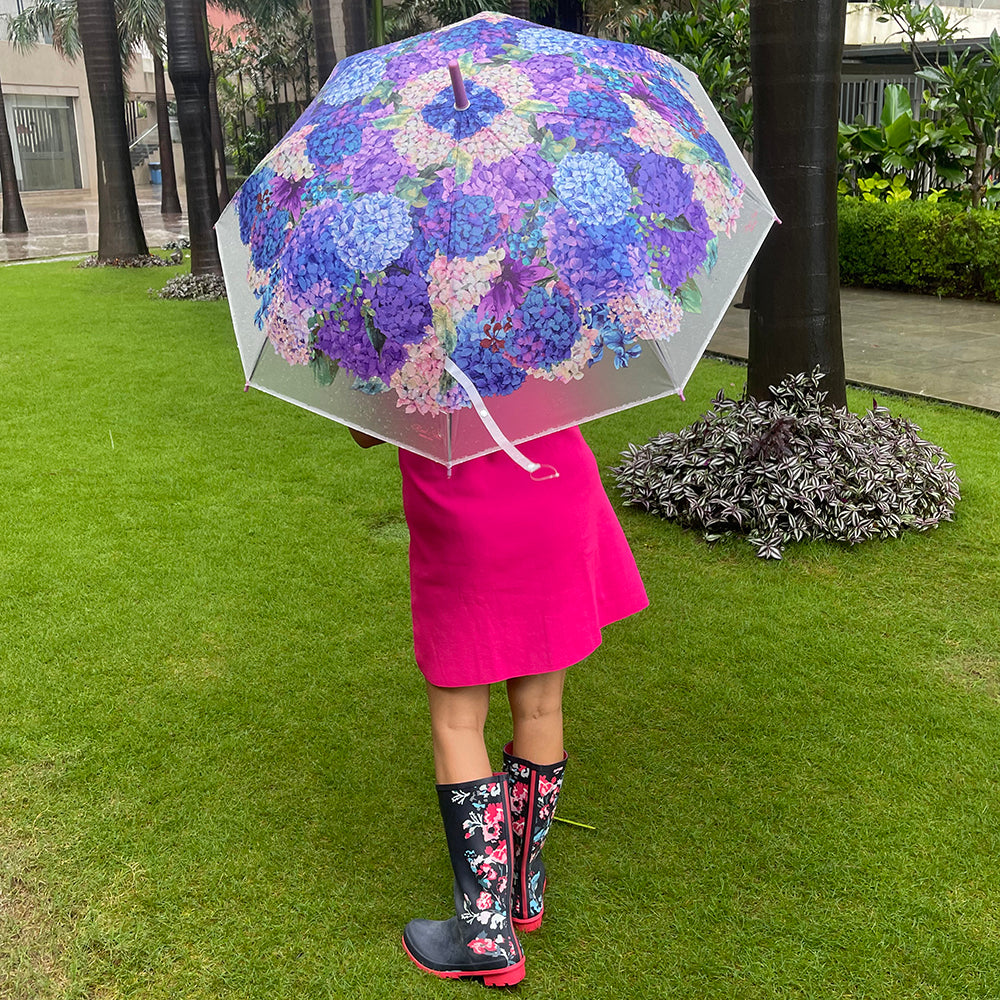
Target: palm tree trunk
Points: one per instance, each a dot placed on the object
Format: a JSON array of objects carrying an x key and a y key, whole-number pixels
[
  {"x": 355, "y": 25},
  {"x": 170, "y": 202},
  {"x": 13, "y": 212},
  {"x": 521, "y": 9},
  {"x": 191, "y": 74},
  {"x": 796, "y": 51},
  {"x": 326, "y": 54},
  {"x": 218, "y": 136},
  {"x": 119, "y": 228}
]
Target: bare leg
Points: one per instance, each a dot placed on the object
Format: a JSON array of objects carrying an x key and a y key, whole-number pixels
[
  {"x": 458, "y": 716},
  {"x": 536, "y": 712}
]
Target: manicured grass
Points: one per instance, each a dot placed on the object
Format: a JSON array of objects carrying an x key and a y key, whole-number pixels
[{"x": 215, "y": 776}]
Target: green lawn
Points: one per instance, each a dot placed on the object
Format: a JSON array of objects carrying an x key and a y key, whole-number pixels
[{"x": 216, "y": 777}]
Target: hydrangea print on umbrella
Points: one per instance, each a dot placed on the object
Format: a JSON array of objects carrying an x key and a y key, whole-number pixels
[
  {"x": 593, "y": 187},
  {"x": 564, "y": 221}
]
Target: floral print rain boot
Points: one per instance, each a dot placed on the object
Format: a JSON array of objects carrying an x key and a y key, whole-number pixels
[
  {"x": 533, "y": 794},
  {"x": 479, "y": 941}
]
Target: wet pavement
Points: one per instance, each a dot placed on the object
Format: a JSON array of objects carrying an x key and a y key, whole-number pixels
[
  {"x": 61, "y": 224},
  {"x": 920, "y": 345}
]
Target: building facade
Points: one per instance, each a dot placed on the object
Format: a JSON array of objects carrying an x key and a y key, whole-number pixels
[{"x": 49, "y": 115}]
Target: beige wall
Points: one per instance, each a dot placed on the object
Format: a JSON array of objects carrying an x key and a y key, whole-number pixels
[
  {"x": 41, "y": 72},
  {"x": 863, "y": 27}
]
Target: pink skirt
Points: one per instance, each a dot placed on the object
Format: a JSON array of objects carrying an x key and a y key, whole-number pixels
[{"x": 509, "y": 576}]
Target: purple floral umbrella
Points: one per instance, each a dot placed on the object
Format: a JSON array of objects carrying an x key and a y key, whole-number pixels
[{"x": 458, "y": 259}]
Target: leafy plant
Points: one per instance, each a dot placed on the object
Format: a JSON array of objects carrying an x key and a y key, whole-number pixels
[
  {"x": 265, "y": 79},
  {"x": 917, "y": 22},
  {"x": 936, "y": 247},
  {"x": 711, "y": 38},
  {"x": 792, "y": 468},
  {"x": 968, "y": 87},
  {"x": 197, "y": 287},
  {"x": 878, "y": 188},
  {"x": 902, "y": 143}
]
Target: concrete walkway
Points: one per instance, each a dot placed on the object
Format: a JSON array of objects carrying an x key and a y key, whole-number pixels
[
  {"x": 946, "y": 349},
  {"x": 918, "y": 345}
]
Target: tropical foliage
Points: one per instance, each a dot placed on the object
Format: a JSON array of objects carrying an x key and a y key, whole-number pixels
[
  {"x": 950, "y": 140},
  {"x": 966, "y": 89},
  {"x": 920, "y": 27},
  {"x": 903, "y": 152},
  {"x": 712, "y": 38},
  {"x": 410, "y": 17},
  {"x": 266, "y": 76}
]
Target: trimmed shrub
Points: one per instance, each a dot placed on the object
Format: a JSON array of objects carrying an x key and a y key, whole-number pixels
[
  {"x": 792, "y": 468},
  {"x": 938, "y": 248}
]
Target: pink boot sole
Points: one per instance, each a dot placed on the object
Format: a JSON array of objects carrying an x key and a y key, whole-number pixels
[
  {"x": 527, "y": 926},
  {"x": 499, "y": 977}
]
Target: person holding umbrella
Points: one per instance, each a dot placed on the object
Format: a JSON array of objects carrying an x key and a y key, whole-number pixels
[
  {"x": 512, "y": 580},
  {"x": 477, "y": 239}
]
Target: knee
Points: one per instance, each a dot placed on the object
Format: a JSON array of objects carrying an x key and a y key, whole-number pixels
[
  {"x": 536, "y": 698},
  {"x": 458, "y": 724},
  {"x": 536, "y": 710}
]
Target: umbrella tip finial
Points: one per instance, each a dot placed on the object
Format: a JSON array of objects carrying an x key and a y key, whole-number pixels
[{"x": 458, "y": 85}]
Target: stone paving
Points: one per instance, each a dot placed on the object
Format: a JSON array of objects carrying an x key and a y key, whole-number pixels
[
  {"x": 919, "y": 345},
  {"x": 946, "y": 349},
  {"x": 59, "y": 225}
]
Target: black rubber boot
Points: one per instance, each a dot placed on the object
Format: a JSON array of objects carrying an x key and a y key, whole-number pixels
[
  {"x": 479, "y": 941},
  {"x": 534, "y": 791}
]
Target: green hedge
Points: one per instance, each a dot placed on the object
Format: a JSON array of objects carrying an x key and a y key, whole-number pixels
[{"x": 915, "y": 246}]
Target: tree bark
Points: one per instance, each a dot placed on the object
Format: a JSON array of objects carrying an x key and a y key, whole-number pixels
[
  {"x": 170, "y": 202},
  {"x": 795, "y": 59},
  {"x": 355, "y": 25},
  {"x": 119, "y": 228},
  {"x": 191, "y": 74},
  {"x": 13, "y": 212},
  {"x": 521, "y": 9},
  {"x": 326, "y": 54},
  {"x": 218, "y": 136}
]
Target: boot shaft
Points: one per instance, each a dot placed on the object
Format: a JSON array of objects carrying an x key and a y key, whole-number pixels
[{"x": 534, "y": 792}]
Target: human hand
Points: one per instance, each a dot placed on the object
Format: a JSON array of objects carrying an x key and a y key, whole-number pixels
[{"x": 364, "y": 440}]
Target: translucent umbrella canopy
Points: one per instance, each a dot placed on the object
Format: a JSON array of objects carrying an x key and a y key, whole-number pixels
[{"x": 487, "y": 233}]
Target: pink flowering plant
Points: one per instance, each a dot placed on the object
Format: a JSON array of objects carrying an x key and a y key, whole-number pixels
[{"x": 562, "y": 220}]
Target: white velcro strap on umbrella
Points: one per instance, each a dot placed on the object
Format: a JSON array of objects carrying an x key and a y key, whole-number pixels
[{"x": 491, "y": 425}]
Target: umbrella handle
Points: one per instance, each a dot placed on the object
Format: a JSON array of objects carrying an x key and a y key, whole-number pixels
[
  {"x": 548, "y": 471},
  {"x": 458, "y": 86}
]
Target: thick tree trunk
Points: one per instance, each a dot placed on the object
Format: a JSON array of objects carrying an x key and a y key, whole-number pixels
[
  {"x": 13, "y": 212},
  {"x": 567, "y": 15},
  {"x": 521, "y": 9},
  {"x": 796, "y": 50},
  {"x": 326, "y": 54},
  {"x": 119, "y": 227},
  {"x": 355, "y": 25},
  {"x": 170, "y": 202},
  {"x": 191, "y": 74}
]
